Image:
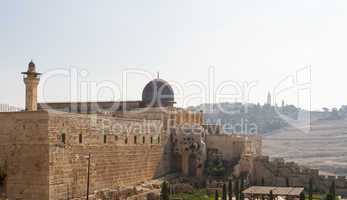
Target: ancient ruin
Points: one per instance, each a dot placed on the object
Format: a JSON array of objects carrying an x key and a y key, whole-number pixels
[
  {"x": 45, "y": 148},
  {"x": 119, "y": 150}
]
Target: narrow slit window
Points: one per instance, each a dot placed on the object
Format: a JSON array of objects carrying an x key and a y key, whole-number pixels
[
  {"x": 63, "y": 138},
  {"x": 126, "y": 140},
  {"x": 143, "y": 139},
  {"x": 80, "y": 139},
  {"x": 105, "y": 139},
  {"x": 135, "y": 139},
  {"x": 151, "y": 139}
]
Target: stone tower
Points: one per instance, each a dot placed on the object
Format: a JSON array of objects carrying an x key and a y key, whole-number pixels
[
  {"x": 31, "y": 80},
  {"x": 268, "y": 98}
]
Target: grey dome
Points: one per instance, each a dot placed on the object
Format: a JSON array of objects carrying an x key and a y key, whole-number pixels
[{"x": 158, "y": 92}]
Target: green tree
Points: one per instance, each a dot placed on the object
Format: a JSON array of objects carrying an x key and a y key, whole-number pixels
[
  {"x": 237, "y": 189},
  {"x": 331, "y": 195},
  {"x": 332, "y": 190},
  {"x": 164, "y": 193},
  {"x": 262, "y": 184},
  {"x": 328, "y": 196},
  {"x": 271, "y": 196},
  {"x": 302, "y": 196},
  {"x": 310, "y": 189},
  {"x": 230, "y": 192},
  {"x": 216, "y": 168},
  {"x": 216, "y": 195},
  {"x": 224, "y": 193},
  {"x": 242, "y": 187}
]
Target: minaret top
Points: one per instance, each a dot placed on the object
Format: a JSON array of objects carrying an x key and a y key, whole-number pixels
[
  {"x": 31, "y": 66},
  {"x": 31, "y": 69}
]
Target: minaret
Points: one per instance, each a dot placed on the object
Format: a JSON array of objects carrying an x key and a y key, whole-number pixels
[
  {"x": 268, "y": 98},
  {"x": 31, "y": 80}
]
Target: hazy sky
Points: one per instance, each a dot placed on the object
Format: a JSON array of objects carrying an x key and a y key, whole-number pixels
[{"x": 255, "y": 42}]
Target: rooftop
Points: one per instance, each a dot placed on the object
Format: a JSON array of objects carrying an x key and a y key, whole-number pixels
[{"x": 279, "y": 191}]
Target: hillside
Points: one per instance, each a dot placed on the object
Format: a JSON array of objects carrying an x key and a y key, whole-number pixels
[
  {"x": 241, "y": 118},
  {"x": 324, "y": 147}
]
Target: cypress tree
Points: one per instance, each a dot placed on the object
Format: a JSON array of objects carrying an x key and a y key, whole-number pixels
[
  {"x": 230, "y": 187},
  {"x": 262, "y": 183},
  {"x": 237, "y": 189},
  {"x": 329, "y": 196},
  {"x": 224, "y": 193},
  {"x": 271, "y": 196},
  {"x": 310, "y": 189},
  {"x": 332, "y": 190},
  {"x": 216, "y": 195},
  {"x": 302, "y": 196},
  {"x": 164, "y": 193},
  {"x": 242, "y": 188}
]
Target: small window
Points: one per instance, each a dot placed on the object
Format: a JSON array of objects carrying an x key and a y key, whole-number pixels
[
  {"x": 89, "y": 109},
  {"x": 126, "y": 140},
  {"x": 158, "y": 139},
  {"x": 143, "y": 139},
  {"x": 135, "y": 139},
  {"x": 105, "y": 139},
  {"x": 116, "y": 137},
  {"x": 63, "y": 138},
  {"x": 80, "y": 139},
  {"x": 151, "y": 139},
  {"x": 79, "y": 107}
]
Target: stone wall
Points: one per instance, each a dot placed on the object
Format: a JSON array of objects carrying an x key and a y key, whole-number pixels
[
  {"x": 189, "y": 150},
  {"x": 170, "y": 116},
  {"x": 46, "y": 153},
  {"x": 277, "y": 172},
  {"x": 24, "y": 148},
  {"x": 232, "y": 146},
  {"x": 123, "y": 152}
]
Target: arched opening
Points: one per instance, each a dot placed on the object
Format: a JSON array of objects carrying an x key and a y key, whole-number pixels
[
  {"x": 177, "y": 162},
  {"x": 192, "y": 165},
  {"x": 135, "y": 139},
  {"x": 2, "y": 186},
  {"x": 2, "y": 179}
]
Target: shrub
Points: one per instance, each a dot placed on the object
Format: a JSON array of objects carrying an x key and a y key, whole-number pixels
[
  {"x": 216, "y": 168},
  {"x": 164, "y": 193}
]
